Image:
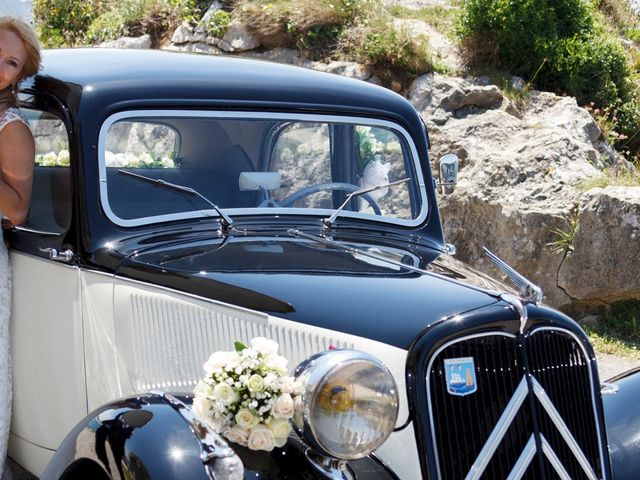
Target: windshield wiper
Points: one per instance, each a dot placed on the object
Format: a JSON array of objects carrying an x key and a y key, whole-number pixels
[
  {"x": 225, "y": 220},
  {"x": 329, "y": 221}
]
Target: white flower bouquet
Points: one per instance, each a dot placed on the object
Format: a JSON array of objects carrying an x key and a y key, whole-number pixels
[{"x": 247, "y": 396}]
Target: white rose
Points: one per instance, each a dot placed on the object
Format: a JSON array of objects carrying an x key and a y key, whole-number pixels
[
  {"x": 219, "y": 360},
  {"x": 237, "y": 435},
  {"x": 202, "y": 389},
  {"x": 283, "y": 407},
  {"x": 225, "y": 394},
  {"x": 280, "y": 441},
  {"x": 276, "y": 362},
  {"x": 201, "y": 406},
  {"x": 264, "y": 345},
  {"x": 246, "y": 419},
  {"x": 255, "y": 383},
  {"x": 260, "y": 438},
  {"x": 279, "y": 428},
  {"x": 290, "y": 385}
]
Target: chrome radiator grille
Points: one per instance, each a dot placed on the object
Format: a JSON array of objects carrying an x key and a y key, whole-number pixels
[{"x": 514, "y": 426}]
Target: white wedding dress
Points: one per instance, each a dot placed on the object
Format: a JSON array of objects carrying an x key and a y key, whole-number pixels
[{"x": 9, "y": 115}]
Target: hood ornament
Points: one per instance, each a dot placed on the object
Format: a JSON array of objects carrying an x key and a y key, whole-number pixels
[{"x": 528, "y": 291}]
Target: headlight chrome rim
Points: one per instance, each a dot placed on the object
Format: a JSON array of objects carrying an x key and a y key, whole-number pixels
[{"x": 320, "y": 396}]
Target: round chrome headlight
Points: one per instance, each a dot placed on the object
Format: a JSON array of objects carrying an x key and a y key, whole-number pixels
[{"x": 349, "y": 403}]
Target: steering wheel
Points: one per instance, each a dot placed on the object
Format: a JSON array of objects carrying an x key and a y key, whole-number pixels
[{"x": 345, "y": 187}]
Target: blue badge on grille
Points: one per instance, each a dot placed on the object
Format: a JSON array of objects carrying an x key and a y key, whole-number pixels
[{"x": 461, "y": 375}]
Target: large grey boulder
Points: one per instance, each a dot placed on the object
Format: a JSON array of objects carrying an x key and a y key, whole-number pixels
[
  {"x": 144, "y": 42},
  {"x": 605, "y": 264},
  {"x": 521, "y": 177}
]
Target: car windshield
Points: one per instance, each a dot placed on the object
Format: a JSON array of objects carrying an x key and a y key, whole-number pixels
[{"x": 250, "y": 164}]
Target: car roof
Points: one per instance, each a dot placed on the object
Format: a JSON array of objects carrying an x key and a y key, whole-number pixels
[{"x": 127, "y": 74}]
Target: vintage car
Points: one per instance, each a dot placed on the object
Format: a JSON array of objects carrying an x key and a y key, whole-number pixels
[{"x": 182, "y": 202}]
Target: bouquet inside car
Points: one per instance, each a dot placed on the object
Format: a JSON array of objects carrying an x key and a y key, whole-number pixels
[{"x": 247, "y": 396}]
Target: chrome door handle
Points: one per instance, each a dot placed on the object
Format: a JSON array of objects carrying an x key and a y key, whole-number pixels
[{"x": 63, "y": 256}]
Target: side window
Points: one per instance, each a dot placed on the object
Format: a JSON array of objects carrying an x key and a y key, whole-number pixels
[
  {"x": 50, "y": 208},
  {"x": 148, "y": 149},
  {"x": 139, "y": 144}
]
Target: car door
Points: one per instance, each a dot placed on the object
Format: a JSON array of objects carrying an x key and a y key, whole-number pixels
[{"x": 46, "y": 316}]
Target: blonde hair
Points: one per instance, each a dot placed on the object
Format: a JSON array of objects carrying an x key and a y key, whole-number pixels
[{"x": 28, "y": 37}]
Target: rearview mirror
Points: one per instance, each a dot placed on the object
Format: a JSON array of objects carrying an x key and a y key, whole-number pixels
[
  {"x": 448, "y": 173},
  {"x": 264, "y": 181}
]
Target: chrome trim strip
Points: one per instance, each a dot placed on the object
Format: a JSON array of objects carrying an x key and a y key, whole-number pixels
[
  {"x": 554, "y": 460},
  {"x": 524, "y": 460},
  {"x": 518, "y": 306},
  {"x": 498, "y": 432},
  {"x": 235, "y": 212},
  {"x": 556, "y": 418},
  {"x": 430, "y": 365},
  {"x": 590, "y": 365}
]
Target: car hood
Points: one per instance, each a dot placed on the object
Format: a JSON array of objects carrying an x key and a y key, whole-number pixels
[{"x": 374, "y": 289}]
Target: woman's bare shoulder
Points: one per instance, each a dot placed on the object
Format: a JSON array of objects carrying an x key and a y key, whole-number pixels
[
  {"x": 11, "y": 115},
  {"x": 16, "y": 140}
]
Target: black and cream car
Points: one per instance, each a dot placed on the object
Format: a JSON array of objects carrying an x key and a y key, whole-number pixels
[{"x": 182, "y": 202}]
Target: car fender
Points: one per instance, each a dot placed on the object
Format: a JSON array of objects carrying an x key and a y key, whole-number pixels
[
  {"x": 622, "y": 417},
  {"x": 148, "y": 437}
]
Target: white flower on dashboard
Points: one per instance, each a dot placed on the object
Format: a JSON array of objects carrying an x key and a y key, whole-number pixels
[
  {"x": 63, "y": 157},
  {"x": 145, "y": 158},
  {"x": 283, "y": 407},
  {"x": 225, "y": 394},
  {"x": 264, "y": 346},
  {"x": 260, "y": 438},
  {"x": 49, "y": 159},
  {"x": 246, "y": 419}
]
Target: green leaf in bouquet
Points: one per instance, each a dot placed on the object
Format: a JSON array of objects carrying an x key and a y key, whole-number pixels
[{"x": 239, "y": 346}]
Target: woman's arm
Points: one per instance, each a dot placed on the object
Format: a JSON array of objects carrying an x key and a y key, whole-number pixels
[{"x": 17, "y": 153}]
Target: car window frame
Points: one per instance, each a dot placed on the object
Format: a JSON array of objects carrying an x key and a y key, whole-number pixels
[
  {"x": 34, "y": 241},
  {"x": 287, "y": 117}
]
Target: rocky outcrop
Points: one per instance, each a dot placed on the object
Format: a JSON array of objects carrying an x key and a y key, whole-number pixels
[
  {"x": 604, "y": 266},
  {"x": 522, "y": 175},
  {"x": 143, "y": 41}
]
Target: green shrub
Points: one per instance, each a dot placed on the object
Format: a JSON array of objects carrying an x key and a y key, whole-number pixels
[
  {"x": 580, "y": 58},
  {"x": 64, "y": 22},
  {"x": 313, "y": 26},
  {"x": 564, "y": 43},
  {"x": 139, "y": 17},
  {"x": 218, "y": 23},
  {"x": 381, "y": 45}
]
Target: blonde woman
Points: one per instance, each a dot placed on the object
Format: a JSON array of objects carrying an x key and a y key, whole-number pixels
[{"x": 19, "y": 58}]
